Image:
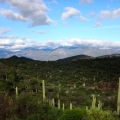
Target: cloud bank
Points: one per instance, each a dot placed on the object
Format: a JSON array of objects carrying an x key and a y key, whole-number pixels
[{"x": 19, "y": 44}]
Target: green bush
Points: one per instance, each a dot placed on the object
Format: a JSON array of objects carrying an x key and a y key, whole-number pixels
[
  {"x": 95, "y": 114},
  {"x": 55, "y": 113},
  {"x": 75, "y": 114}
]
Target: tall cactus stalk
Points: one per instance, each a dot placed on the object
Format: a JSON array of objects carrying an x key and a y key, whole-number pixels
[
  {"x": 16, "y": 91},
  {"x": 63, "y": 107},
  {"x": 43, "y": 89},
  {"x": 70, "y": 106},
  {"x": 53, "y": 102},
  {"x": 86, "y": 108},
  {"x": 99, "y": 105},
  {"x": 58, "y": 103},
  {"x": 118, "y": 101},
  {"x": 93, "y": 101}
]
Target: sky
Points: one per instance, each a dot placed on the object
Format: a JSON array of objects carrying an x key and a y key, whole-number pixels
[{"x": 54, "y": 23}]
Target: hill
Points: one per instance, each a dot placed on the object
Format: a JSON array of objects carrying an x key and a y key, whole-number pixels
[
  {"x": 69, "y": 81},
  {"x": 14, "y": 57},
  {"x": 77, "y": 57}
]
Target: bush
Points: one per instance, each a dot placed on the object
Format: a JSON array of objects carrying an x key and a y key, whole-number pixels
[
  {"x": 75, "y": 114},
  {"x": 95, "y": 114}
]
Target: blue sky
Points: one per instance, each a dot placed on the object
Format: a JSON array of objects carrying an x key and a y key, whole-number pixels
[{"x": 52, "y": 23}]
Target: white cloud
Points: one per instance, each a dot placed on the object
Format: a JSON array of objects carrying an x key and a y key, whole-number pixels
[
  {"x": 32, "y": 10},
  {"x": 86, "y": 1},
  {"x": 70, "y": 12},
  {"x": 82, "y": 18},
  {"x": 98, "y": 24},
  {"x": 18, "y": 44},
  {"x": 4, "y": 30},
  {"x": 93, "y": 43},
  {"x": 110, "y": 14},
  {"x": 12, "y": 15}
]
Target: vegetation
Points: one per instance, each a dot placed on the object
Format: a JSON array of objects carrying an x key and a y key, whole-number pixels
[{"x": 52, "y": 90}]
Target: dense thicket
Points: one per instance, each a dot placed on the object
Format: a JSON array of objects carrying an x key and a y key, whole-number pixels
[{"x": 71, "y": 81}]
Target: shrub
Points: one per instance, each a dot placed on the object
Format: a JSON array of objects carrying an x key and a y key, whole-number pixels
[
  {"x": 95, "y": 114},
  {"x": 75, "y": 114}
]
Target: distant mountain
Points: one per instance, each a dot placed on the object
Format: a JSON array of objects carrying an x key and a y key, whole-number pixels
[
  {"x": 109, "y": 56},
  {"x": 4, "y": 53},
  {"x": 75, "y": 58},
  {"x": 18, "y": 58},
  {"x": 59, "y": 53}
]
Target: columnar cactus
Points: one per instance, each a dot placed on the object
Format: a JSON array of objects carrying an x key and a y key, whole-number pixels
[
  {"x": 99, "y": 105},
  {"x": 58, "y": 103},
  {"x": 93, "y": 101},
  {"x": 43, "y": 89},
  {"x": 70, "y": 106},
  {"x": 74, "y": 86},
  {"x": 86, "y": 108},
  {"x": 53, "y": 102},
  {"x": 16, "y": 91},
  {"x": 118, "y": 101},
  {"x": 63, "y": 107}
]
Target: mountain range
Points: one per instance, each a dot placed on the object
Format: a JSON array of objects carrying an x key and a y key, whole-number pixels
[{"x": 59, "y": 53}]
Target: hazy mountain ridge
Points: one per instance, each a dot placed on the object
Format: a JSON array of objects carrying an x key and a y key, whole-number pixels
[{"x": 59, "y": 53}]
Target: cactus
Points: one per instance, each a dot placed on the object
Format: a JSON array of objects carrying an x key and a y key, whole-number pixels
[
  {"x": 86, "y": 108},
  {"x": 58, "y": 103},
  {"x": 118, "y": 101},
  {"x": 36, "y": 90},
  {"x": 16, "y": 91},
  {"x": 74, "y": 86},
  {"x": 53, "y": 102},
  {"x": 70, "y": 106},
  {"x": 99, "y": 105},
  {"x": 43, "y": 89},
  {"x": 63, "y": 107},
  {"x": 93, "y": 101}
]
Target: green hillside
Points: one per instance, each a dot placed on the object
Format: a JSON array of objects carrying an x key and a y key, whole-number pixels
[{"x": 68, "y": 81}]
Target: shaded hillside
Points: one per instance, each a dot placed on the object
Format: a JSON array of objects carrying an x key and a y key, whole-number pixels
[
  {"x": 17, "y": 58},
  {"x": 75, "y": 58},
  {"x": 72, "y": 81}
]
